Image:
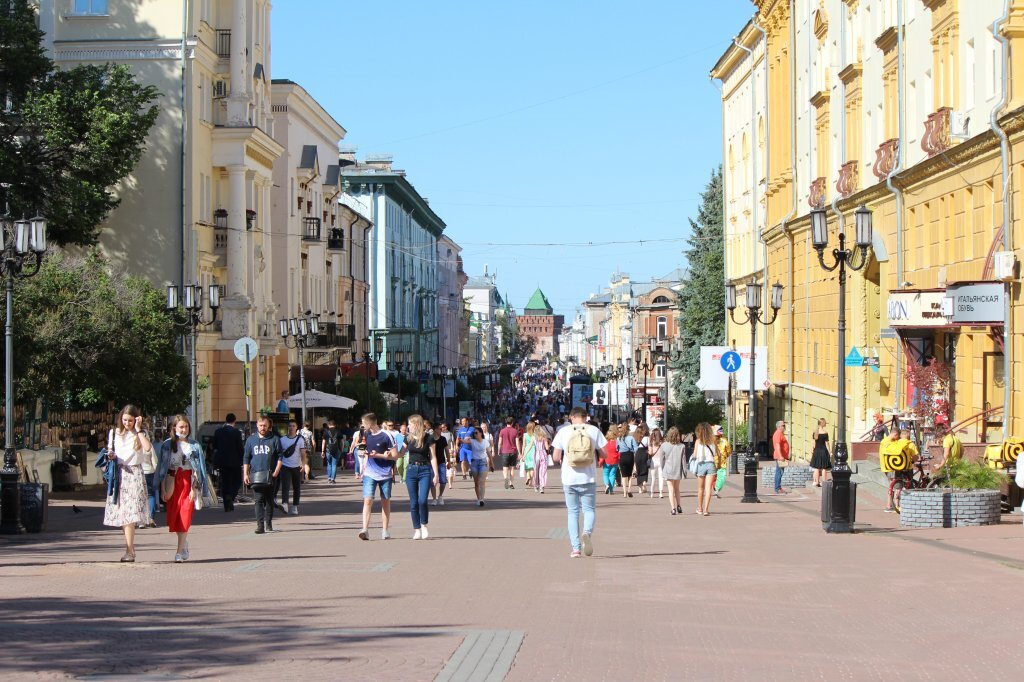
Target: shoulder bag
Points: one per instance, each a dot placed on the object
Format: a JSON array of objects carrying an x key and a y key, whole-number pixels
[{"x": 260, "y": 479}]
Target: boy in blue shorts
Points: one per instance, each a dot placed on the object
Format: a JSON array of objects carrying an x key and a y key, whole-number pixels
[{"x": 378, "y": 473}]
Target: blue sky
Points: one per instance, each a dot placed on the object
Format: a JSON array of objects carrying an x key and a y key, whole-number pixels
[{"x": 529, "y": 121}]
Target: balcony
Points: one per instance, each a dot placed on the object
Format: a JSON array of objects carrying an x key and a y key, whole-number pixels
[
  {"x": 311, "y": 229},
  {"x": 336, "y": 239},
  {"x": 333, "y": 335},
  {"x": 885, "y": 158},
  {"x": 816, "y": 198},
  {"x": 848, "y": 179},
  {"x": 223, "y": 43},
  {"x": 936, "y": 138}
]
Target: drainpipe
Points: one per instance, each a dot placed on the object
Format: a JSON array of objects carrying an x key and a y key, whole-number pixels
[
  {"x": 1004, "y": 153},
  {"x": 897, "y": 193},
  {"x": 793, "y": 211},
  {"x": 184, "y": 131}
]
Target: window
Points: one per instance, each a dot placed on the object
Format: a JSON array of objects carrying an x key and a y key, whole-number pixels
[
  {"x": 659, "y": 370},
  {"x": 661, "y": 299},
  {"x": 89, "y": 7},
  {"x": 662, "y": 328}
]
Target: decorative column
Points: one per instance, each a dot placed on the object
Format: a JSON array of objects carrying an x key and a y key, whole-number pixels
[
  {"x": 237, "y": 303},
  {"x": 238, "y": 100}
]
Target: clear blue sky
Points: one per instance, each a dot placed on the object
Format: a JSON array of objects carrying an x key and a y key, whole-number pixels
[{"x": 529, "y": 121}]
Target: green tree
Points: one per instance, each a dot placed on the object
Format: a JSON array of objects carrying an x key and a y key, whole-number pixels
[
  {"x": 85, "y": 337},
  {"x": 702, "y": 299},
  {"x": 66, "y": 137}
]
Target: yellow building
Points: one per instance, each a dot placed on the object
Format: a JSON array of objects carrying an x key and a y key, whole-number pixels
[{"x": 909, "y": 108}]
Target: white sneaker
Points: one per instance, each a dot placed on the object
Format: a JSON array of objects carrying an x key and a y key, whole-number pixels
[
  {"x": 433, "y": 503},
  {"x": 416, "y": 534},
  {"x": 384, "y": 535},
  {"x": 363, "y": 535},
  {"x": 426, "y": 534},
  {"x": 178, "y": 559},
  {"x": 293, "y": 510},
  {"x": 440, "y": 501},
  {"x": 588, "y": 546},
  {"x": 184, "y": 555}
]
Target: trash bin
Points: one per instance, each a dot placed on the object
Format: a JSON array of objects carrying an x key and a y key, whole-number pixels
[
  {"x": 826, "y": 502},
  {"x": 35, "y": 502},
  {"x": 64, "y": 475}
]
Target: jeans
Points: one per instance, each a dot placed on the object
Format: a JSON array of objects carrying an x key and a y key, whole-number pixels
[
  {"x": 583, "y": 495},
  {"x": 152, "y": 495},
  {"x": 418, "y": 478},
  {"x": 332, "y": 465},
  {"x": 291, "y": 478},
  {"x": 264, "y": 505},
  {"x": 610, "y": 471},
  {"x": 778, "y": 476}
]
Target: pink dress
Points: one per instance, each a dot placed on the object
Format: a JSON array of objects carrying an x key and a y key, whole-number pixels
[{"x": 541, "y": 462}]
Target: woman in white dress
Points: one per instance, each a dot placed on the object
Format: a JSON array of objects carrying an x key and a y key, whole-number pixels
[{"x": 128, "y": 505}]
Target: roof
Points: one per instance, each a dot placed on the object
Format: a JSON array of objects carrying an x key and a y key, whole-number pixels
[
  {"x": 309, "y": 155},
  {"x": 398, "y": 188},
  {"x": 676, "y": 275},
  {"x": 479, "y": 282},
  {"x": 538, "y": 304},
  {"x": 333, "y": 174}
]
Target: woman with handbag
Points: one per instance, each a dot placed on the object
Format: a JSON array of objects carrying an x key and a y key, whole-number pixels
[
  {"x": 705, "y": 453},
  {"x": 149, "y": 464},
  {"x": 181, "y": 480},
  {"x": 127, "y": 505},
  {"x": 627, "y": 458},
  {"x": 642, "y": 457},
  {"x": 672, "y": 451}
]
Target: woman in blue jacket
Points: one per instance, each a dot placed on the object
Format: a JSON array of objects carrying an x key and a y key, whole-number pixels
[{"x": 182, "y": 458}]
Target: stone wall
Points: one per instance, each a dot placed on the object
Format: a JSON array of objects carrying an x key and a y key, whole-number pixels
[
  {"x": 949, "y": 508},
  {"x": 795, "y": 475}
]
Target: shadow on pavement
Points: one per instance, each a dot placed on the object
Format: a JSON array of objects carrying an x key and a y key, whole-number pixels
[{"x": 653, "y": 554}]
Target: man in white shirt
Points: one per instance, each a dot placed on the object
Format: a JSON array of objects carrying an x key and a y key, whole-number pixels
[{"x": 579, "y": 482}]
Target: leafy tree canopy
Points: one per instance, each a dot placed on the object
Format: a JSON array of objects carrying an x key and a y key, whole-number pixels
[
  {"x": 66, "y": 137},
  {"x": 84, "y": 337}
]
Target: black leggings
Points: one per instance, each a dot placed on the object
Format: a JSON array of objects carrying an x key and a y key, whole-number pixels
[{"x": 290, "y": 478}]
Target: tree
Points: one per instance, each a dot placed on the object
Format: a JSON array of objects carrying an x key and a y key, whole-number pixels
[
  {"x": 702, "y": 299},
  {"x": 84, "y": 337},
  {"x": 66, "y": 137}
]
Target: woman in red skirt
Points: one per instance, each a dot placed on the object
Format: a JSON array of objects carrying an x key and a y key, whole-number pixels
[{"x": 181, "y": 457}]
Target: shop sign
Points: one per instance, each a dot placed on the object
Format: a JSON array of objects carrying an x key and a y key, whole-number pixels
[
  {"x": 977, "y": 303},
  {"x": 916, "y": 309}
]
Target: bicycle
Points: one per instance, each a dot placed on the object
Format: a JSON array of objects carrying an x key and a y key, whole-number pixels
[{"x": 911, "y": 479}]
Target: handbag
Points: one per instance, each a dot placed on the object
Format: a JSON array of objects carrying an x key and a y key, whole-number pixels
[
  {"x": 166, "y": 488},
  {"x": 693, "y": 465},
  {"x": 259, "y": 479},
  {"x": 197, "y": 491},
  {"x": 782, "y": 463}
]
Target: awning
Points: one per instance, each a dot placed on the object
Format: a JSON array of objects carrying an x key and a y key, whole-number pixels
[{"x": 316, "y": 373}]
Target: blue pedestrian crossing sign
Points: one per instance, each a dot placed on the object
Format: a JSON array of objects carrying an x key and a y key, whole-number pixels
[
  {"x": 854, "y": 358},
  {"x": 731, "y": 361}
]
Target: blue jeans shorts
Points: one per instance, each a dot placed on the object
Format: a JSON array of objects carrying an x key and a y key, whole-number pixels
[
  {"x": 478, "y": 466},
  {"x": 706, "y": 469},
  {"x": 442, "y": 474},
  {"x": 370, "y": 485}
]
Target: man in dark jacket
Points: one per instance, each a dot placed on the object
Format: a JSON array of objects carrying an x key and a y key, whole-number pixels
[{"x": 227, "y": 453}]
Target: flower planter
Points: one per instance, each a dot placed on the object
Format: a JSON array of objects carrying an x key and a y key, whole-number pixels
[
  {"x": 938, "y": 508},
  {"x": 793, "y": 476}
]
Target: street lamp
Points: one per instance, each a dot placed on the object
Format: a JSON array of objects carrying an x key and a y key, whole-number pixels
[
  {"x": 647, "y": 364},
  {"x": 397, "y": 361},
  {"x": 842, "y": 493},
  {"x": 669, "y": 354},
  {"x": 371, "y": 353},
  {"x": 754, "y": 316},
  {"x": 190, "y": 304},
  {"x": 24, "y": 244},
  {"x": 303, "y": 331}
]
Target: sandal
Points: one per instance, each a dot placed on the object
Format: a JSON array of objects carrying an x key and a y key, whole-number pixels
[{"x": 128, "y": 558}]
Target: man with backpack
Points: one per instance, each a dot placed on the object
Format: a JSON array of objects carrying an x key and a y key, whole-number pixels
[
  {"x": 577, "y": 446},
  {"x": 330, "y": 449}
]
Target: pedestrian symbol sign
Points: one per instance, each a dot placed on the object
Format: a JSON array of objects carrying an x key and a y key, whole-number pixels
[
  {"x": 731, "y": 361},
  {"x": 854, "y": 358}
]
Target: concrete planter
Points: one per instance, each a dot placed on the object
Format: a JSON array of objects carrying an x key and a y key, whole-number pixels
[
  {"x": 938, "y": 508},
  {"x": 796, "y": 475}
]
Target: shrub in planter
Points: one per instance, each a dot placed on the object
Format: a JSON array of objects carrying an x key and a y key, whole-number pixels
[
  {"x": 968, "y": 497},
  {"x": 964, "y": 475}
]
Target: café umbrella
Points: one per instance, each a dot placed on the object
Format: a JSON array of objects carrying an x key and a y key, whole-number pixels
[{"x": 315, "y": 399}]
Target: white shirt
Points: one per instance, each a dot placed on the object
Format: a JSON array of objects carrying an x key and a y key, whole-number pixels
[
  {"x": 295, "y": 459},
  {"x": 179, "y": 459},
  {"x": 578, "y": 475},
  {"x": 124, "y": 448}
]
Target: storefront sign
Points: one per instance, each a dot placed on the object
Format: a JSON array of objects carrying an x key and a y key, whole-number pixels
[
  {"x": 916, "y": 309},
  {"x": 977, "y": 303}
]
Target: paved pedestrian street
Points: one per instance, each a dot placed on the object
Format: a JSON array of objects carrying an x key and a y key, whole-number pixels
[{"x": 749, "y": 592}]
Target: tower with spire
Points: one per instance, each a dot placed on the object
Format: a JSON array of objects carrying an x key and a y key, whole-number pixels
[{"x": 540, "y": 323}]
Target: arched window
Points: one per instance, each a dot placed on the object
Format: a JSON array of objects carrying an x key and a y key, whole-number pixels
[{"x": 661, "y": 299}]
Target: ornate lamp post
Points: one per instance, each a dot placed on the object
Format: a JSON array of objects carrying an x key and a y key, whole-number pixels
[
  {"x": 842, "y": 493},
  {"x": 440, "y": 373},
  {"x": 647, "y": 364},
  {"x": 673, "y": 355},
  {"x": 397, "y": 361},
  {"x": 24, "y": 244},
  {"x": 303, "y": 333},
  {"x": 754, "y": 317},
  {"x": 186, "y": 305},
  {"x": 371, "y": 354}
]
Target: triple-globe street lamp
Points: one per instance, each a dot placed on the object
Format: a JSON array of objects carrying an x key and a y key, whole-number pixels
[
  {"x": 754, "y": 317},
  {"x": 303, "y": 332},
  {"x": 24, "y": 244},
  {"x": 372, "y": 350},
  {"x": 186, "y": 307},
  {"x": 837, "y": 506},
  {"x": 397, "y": 361}
]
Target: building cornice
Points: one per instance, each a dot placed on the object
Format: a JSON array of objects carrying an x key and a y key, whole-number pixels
[{"x": 402, "y": 192}]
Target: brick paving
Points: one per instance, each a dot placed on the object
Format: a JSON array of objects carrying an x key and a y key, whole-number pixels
[{"x": 750, "y": 591}]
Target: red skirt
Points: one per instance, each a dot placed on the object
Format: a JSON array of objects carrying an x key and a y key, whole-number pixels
[{"x": 180, "y": 507}]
